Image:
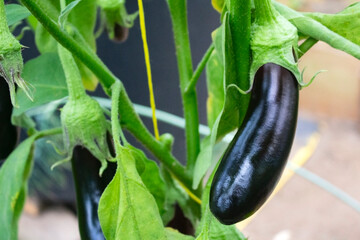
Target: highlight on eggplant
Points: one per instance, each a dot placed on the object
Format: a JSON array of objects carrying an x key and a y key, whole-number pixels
[{"x": 253, "y": 162}]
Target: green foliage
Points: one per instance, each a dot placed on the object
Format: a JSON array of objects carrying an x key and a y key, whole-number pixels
[
  {"x": 172, "y": 234},
  {"x": 234, "y": 107},
  {"x": 13, "y": 178},
  {"x": 345, "y": 23},
  {"x": 127, "y": 210},
  {"x": 48, "y": 80},
  {"x": 140, "y": 199},
  {"x": 15, "y": 13},
  {"x": 316, "y": 30}
]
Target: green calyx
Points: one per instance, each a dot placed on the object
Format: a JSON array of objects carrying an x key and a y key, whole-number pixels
[
  {"x": 118, "y": 21},
  {"x": 273, "y": 39},
  {"x": 11, "y": 63},
  {"x": 84, "y": 124},
  {"x": 82, "y": 118}
]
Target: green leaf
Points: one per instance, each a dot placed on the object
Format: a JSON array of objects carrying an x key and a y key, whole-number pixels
[
  {"x": 14, "y": 174},
  {"x": 233, "y": 110},
  {"x": 15, "y": 13},
  {"x": 48, "y": 80},
  {"x": 316, "y": 30},
  {"x": 173, "y": 234},
  {"x": 345, "y": 23},
  {"x": 176, "y": 194},
  {"x": 151, "y": 177},
  {"x": 210, "y": 228},
  {"x": 65, "y": 13},
  {"x": 83, "y": 18},
  {"x": 215, "y": 86},
  {"x": 127, "y": 210}
]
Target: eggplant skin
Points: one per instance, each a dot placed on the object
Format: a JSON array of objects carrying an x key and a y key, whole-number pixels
[
  {"x": 256, "y": 157},
  {"x": 89, "y": 187},
  {"x": 8, "y": 132}
]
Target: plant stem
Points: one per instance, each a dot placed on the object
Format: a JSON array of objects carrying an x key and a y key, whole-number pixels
[
  {"x": 183, "y": 53},
  {"x": 3, "y": 22},
  {"x": 49, "y": 132},
  {"x": 106, "y": 77},
  {"x": 200, "y": 67},
  {"x": 306, "y": 45},
  {"x": 115, "y": 125},
  {"x": 240, "y": 23},
  {"x": 264, "y": 11},
  {"x": 72, "y": 74}
]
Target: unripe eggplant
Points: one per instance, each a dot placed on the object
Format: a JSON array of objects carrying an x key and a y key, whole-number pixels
[{"x": 256, "y": 157}]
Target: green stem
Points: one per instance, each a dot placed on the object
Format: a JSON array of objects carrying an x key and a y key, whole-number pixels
[
  {"x": 72, "y": 74},
  {"x": 128, "y": 114},
  {"x": 240, "y": 23},
  {"x": 49, "y": 132},
  {"x": 183, "y": 53},
  {"x": 200, "y": 67},
  {"x": 3, "y": 22},
  {"x": 115, "y": 125},
  {"x": 264, "y": 11},
  {"x": 306, "y": 45}
]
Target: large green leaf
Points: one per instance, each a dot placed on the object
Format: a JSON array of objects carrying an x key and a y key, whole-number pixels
[
  {"x": 127, "y": 210},
  {"x": 316, "y": 30},
  {"x": 15, "y": 13},
  {"x": 14, "y": 174},
  {"x": 48, "y": 81},
  {"x": 151, "y": 177},
  {"x": 345, "y": 23}
]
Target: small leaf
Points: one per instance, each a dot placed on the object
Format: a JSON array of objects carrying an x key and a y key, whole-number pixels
[
  {"x": 15, "y": 13},
  {"x": 14, "y": 174},
  {"x": 215, "y": 86},
  {"x": 46, "y": 75},
  {"x": 65, "y": 13},
  {"x": 316, "y": 30},
  {"x": 345, "y": 23},
  {"x": 127, "y": 210}
]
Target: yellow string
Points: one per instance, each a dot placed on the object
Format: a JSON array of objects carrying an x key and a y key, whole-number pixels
[
  {"x": 191, "y": 195},
  {"x": 148, "y": 67}
]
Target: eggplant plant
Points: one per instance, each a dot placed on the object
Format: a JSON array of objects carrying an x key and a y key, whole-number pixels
[{"x": 253, "y": 82}]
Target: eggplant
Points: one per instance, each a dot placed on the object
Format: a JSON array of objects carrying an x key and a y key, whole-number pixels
[
  {"x": 255, "y": 158},
  {"x": 89, "y": 187},
  {"x": 8, "y": 132}
]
